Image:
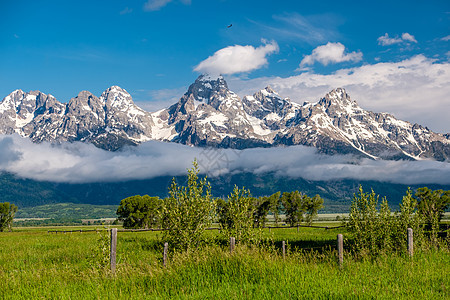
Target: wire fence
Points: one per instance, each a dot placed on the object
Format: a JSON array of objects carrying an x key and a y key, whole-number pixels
[{"x": 210, "y": 228}]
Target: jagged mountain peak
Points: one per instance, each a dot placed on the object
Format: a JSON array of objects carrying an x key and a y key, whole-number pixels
[
  {"x": 84, "y": 94},
  {"x": 338, "y": 95},
  {"x": 211, "y": 90},
  {"x": 209, "y": 114},
  {"x": 205, "y": 77},
  {"x": 338, "y": 101},
  {"x": 264, "y": 102},
  {"x": 116, "y": 90},
  {"x": 205, "y": 85},
  {"x": 10, "y": 100},
  {"x": 116, "y": 96},
  {"x": 269, "y": 90}
]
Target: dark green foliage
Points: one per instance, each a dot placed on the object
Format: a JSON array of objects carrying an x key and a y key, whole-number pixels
[
  {"x": 261, "y": 207},
  {"x": 265, "y": 205},
  {"x": 337, "y": 194},
  {"x": 187, "y": 212},
  {"x": 68, "y": 211},
  {"x": 292, "y": 202},
  {"x": 139, "y": 211},
  {"x": 7, "y": 212},
  {"x": 432, "y": 204},
  {"x": 311, "y": 207},
  {"x": 299, "y": 207}
]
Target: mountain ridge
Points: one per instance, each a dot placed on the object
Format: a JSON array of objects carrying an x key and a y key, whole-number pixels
[{"x": 211, "y": 115}]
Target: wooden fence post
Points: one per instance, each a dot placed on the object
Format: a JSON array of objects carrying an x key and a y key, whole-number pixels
[
  {"x": 166, "y": 248},
  {"x": 232, "y": 244},
  {"x": 340, "y": 247},
  {"x": 410, "y": 242},
  {"x": 113, "y": 249},
  {"x": 283, "y": 244}
]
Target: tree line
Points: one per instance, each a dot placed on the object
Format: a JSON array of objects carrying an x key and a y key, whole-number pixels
[{"x": 189, "y": 210}]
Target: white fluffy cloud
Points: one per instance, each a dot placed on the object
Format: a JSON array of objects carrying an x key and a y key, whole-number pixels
[
  {"x": 237, "y": 59},
  {"x": 152, "y": 5},
  {"x": 385, "y": 40},
  {"x": 330, "y": 53},
  {"x": 415, "y": 89},
  {"x": 408, "y": 37},
  {"x": 79, "y": 162}
]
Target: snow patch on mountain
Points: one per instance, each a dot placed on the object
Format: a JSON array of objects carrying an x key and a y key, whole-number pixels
[{"x": 209, "y": 114}]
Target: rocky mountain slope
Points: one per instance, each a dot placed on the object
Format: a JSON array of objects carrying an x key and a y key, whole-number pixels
[
  {"x": 209, "y": 114},
  {"x": 109, "y": 122}
]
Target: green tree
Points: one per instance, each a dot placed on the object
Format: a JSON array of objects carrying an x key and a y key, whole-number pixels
[
  {"x": 139, "y": 211},
  {"x": 236, "y": 214},
  {"x": 364, "y": 221},
  {"x": 264, "y": 205},
  {"x": 299, "y": 207},
  {"x": 7, "y": 212},
  {"x": 408, "y": 218},
  {"x": 311, "y": 207},
  {"x": 293, "y": 207},
  {"x": 432, "y": 204},
  {"x": 187, "y": 212},
  {"x": 431, "y": 207}
]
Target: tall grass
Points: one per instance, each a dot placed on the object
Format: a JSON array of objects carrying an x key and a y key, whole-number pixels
[{"x": 36, "y": 265}]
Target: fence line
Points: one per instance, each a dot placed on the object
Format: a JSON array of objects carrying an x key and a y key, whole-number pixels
[
  {"x": 211, "y": 228},
  {"x": 70, "y": 231}
]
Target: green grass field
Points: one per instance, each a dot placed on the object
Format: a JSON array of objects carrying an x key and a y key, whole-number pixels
[{"x": 38, "y": 265}]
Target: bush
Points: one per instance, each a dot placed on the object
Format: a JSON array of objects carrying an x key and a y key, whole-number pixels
[
  {"x": 365, "y": 222},
  {"x": 236, "y": 215},
  {"x": 187, "y": 212},
  {"x": 376, "y": 231}
]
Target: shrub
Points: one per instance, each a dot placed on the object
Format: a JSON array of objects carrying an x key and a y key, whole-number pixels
[
  {"x": 376, "y": 231},
  {"x": 365, "y": 224},
  {"x": 236, "y": 215},
  {"x": 187, "y": 212}
]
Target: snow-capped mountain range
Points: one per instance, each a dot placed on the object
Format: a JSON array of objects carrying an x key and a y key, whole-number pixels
[{"x": 209, "y": 114}]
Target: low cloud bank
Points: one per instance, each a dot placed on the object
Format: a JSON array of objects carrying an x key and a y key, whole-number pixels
[{"x": 82, "y": 163}]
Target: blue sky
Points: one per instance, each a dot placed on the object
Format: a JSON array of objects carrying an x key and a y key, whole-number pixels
[{"x": 391, "y": 56}]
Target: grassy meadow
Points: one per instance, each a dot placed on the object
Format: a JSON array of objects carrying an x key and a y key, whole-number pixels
[{"x": 38, "y": 265}]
